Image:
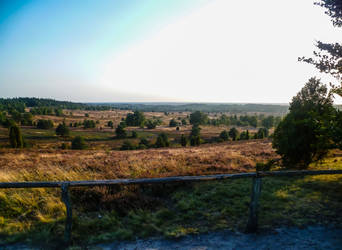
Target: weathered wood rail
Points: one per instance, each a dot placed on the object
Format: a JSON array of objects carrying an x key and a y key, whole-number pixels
[{"x": 252, "y": 224}]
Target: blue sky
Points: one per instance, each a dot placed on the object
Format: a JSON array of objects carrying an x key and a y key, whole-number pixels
[{"x": 179, "y": 50}]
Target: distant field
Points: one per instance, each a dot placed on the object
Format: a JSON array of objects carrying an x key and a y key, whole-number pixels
[{"x": 102, "y": 137}]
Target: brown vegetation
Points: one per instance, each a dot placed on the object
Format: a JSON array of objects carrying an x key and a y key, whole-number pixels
[{"x": 34, "y": 165}]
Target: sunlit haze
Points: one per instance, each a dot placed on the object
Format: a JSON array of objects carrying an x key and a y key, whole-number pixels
[{"x": 146, "y": 51}]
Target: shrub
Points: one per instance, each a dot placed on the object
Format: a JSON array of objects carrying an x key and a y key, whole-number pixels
[
  {"x": 127, "y": 145},
  {"x": 110, "y": 124},
  {"x": 134, "y": 134},
  {"x": 233, "y": 133},
  {"x": 120, "y": 132},
  {"x": 135, "y": 119},
  {"x": 15, "y": 137},
  {"x": 198, "y": 118},
  {"x": 78, "y": 143},
  {"x": 173, "y": 123},
  {"x": 184, "y": 141},
  {"x": 224, "y": 135},
  {"x": 62, "y": 130},
  {"x": 162, "y": 141},
  {"x": 44, "y": 124},
  {"x": 304, "y": 135},
  {"x": 150, "y": 124},
  {"x": 89, "y": 124},
  {"x": 144, "y": 143},
  {"x": 195, "y": 138}
]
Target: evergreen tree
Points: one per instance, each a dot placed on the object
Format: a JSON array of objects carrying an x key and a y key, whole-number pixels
[
  {"x": 62, "y": 130},
  {"x": 15, "y": 137},
  {"x": 184, "y": 141},
  {"x": 233, "y": 133},
  {"x": 120, "y": 132},
  {"x": 78, "y": 143}
]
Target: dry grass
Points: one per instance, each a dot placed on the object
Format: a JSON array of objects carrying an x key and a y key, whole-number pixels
[{"x": 30, "y": 165}]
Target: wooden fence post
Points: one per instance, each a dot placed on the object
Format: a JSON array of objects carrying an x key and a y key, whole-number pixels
[
  {"x": 252, "y": 225},
  {"x": 68, "y": 221}
]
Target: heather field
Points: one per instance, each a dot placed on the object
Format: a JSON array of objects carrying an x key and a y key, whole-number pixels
[{"x": 230, "y": 157}]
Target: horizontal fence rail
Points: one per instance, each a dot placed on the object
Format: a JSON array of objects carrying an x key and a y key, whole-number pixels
[
  {"x": 51, "y": 184},
  {"x": 252, "y": 224}
]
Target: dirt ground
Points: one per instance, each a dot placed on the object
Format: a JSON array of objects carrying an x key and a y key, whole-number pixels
[{"x": 284, "y": 238}]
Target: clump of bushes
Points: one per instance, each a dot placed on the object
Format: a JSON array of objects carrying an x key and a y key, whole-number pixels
[
  {"x": 78, "y": 143},
  {"x": 44, "y": 124}
]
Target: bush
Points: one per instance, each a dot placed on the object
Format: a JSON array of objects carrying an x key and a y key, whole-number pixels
[
  {"x": 151, "y": 124},
  {"x": 135, "y": 119},
  {"x": 224, "y": 135},
  {"x": 62, "y": 130},
  {"x": 120, "y": 132},
  {"x": 144, "y": 143},
  {"x": 110, "y": 124},
  {"x": 183, "y": 141},
  {"x": 78, "y": 143},
  {"x": 15, "y": 137},
  {"x": 233, "y": 133},
  {"x": 89, "y": 124},
  {"x": 162, "y": 141},
  {"x": 173, "y": 123},
  {"x": 127, "y": 145},
  {"x": 195, "y": 137},
  {"x": 44, "y": 124},
  {"x": 198, "y": 118},
  {"x": 304, "y": 135},
  {"x": 134, "y": 134}
]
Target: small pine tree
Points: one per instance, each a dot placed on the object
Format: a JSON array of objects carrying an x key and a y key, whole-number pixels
[
  {"x": 184, "y": 141},
  {"x": 224, "y": 135},
  {"x": 120, "y": 132},
  {"x": 195, "y": 138},
  {"x": 62, "y": 130},
  {"x": 15, "y": 137},
  {"x": 134, "y": 134},
  {"x": 162, "y": 141},
  {"x": 78, "y": 143}
]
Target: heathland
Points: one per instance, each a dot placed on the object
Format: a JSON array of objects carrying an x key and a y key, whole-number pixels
[{"x": 118, "y": 143}]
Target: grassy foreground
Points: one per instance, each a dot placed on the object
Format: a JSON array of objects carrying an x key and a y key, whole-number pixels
[{"x": 117, "y": 213}]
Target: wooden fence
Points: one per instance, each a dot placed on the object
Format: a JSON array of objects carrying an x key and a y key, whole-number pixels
[{"x": 252, "y": 224}]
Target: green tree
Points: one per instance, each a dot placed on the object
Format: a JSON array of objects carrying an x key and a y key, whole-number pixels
[
  {"x": 135, "y": 119},
  {"x": 15, "y": 137},
  {"x": 89, "y": 124},
  {"x": 198, "y": 118},
  {"x": 162, "y": 140},
  {"x": 110, "y": 124},
  {"x": 62, "y": 130},
  {"x": 224, "y": 135},
  {"x": 44, "y": 124},
  {"x": 304, "y": 135},
  {"x": 27, "y": 119},
  {"x": 144, "y": 143},
  {"x": 78, "y": 143},
  {"x": 151, "y": 124},
  {"x": 268, "y": 122},
  {"x": 173, "y": 123},
  {"x": 120, "y": 132},
  {"x": 183, "y": 140},
  {"x": 233, "y": 133},
  {"x": 195, "y": 137},
  {"x": 328, "y": 57},
  {"x": 134, "y": 134}
]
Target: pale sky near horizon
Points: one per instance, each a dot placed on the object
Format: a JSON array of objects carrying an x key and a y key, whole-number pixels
[{"x": 150, "y": 50}]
